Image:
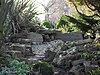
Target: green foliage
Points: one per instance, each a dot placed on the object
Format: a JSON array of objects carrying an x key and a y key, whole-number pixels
[
  {"x": 6, "y": 27},
  {"x": 91, "y": 5},
  {"x": 77, "y": 23},
  {"x": 47, "y": 24},
  {"x": 29, "y": 13},
  {"x": 22, "y": 14},
  {"x": 70, "y": 44},
  {"x": 43, "y": 67},
  {"x": 6, "y": 71},
  {"x": 88, "y": 15},
  {"x": 85, "y": 55},
  {"x": 4, "y": 8},
  {"x": 66, "y": 23},
  {"x": 95, "y": 72},
  {"x": 62, "y": 22},
  {"x": 4, "y": 58},
  {"x": 90, "y": 55},
  {"x": 77, "y": 16},
  {"x": 21, "y": 68},
  {"x": 15, "y": 68},
  {"x": 97, "y": 44}
]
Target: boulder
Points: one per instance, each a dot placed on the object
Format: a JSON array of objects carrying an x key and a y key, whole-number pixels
[
  {"x": 76, "y": 70},
  {"x": 72, "y": 50},
  {"x": 78, "y": 62},
  {"x": 49, "y": 55},
  {"x": 89, "y": 66},
  {"x": 72, "y": 36},
  {"x": 65, "y": 61},
  {"x": 85, "y": 41},
  {"x": 58, "y": 71},
  {"x": 35, "y": 37},
  {"x": 25, "y": 49},
  {"x": 57, "y": 45}
]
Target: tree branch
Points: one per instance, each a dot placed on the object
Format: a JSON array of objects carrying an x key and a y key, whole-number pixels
[{"x": 86, "y": 2}]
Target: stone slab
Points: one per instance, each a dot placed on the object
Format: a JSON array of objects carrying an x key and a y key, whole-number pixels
[
  {"x": 85, "y": 41},
  {"x": 35, "y": 37},
  {"x": 72, "y": 36}
]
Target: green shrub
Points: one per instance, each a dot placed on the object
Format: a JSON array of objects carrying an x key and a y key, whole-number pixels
[
  {"x": 70, "y": 44},
  {"x": 85, "y": 55},
  {"x": 95, "y": 72},
  {"x": 7, "y": 71},
  {"x": 43, "y": 67},
  {"x": 15, "y": 68},
  {"x": 4, "y": 58},
  {"x": 66, "y": 25},
  {"x": 47, "y": 24}
]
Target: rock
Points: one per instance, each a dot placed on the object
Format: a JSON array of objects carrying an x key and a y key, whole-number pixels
[
  {"x": 58, "y": 71},
  {"x": 57, "y": 45},
  {"x": 40, "y": 48},
  {"x": 25, "y": 41},
  {"x": 72, "y": 36},
  {"x": 65, "y": 61},
  {"x": 88, "y": 47},
  {"x": 15, "y": 54},
  {"x": 48, "y": 35},
  {"x": 31, "y": 73},
  {"x": 49, "y": 55},
  {"x": 35, "y": 37},
  {"x": 78, "y": 62},
  {"x": 72, "y": 50},
  {"x": 25, "y": 49},
  {"x": 54, "y": 46},
  {"x": 85, "y": 41},
  {"x": 89, "y": 66},
  {"x": 57, "y": 8},
  {"x": 34, "y": 59},
  {"x": 94, "y": 62},
  {"x": 97, "y": 39},
  {"x": 76, "y": 70},
  {"x": 60, "y": 61},
  {"x": 17, "y": 35},
  {"x": 17, "y": 46},
  {"x": 45, "y": 31}
]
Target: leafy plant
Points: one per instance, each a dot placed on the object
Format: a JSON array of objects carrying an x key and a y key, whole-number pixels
[
  {"x": 4, "y": 58},
  {"x": 66, "y": 25},
  {"x": 85, "y": 55},
  {"x": 21, "y": 68},
  {"x": 7, "y": 71},
  {"x": 22, "y": 14},
  {"x": 47, "y": 24},
  {"x": 43, "y": 68},
  {"x": 15, "y": 68},
  {"x": 4, "y": 8},
  {"x": 70, "y": 44},
  {"x": 97, "y": 44},
  {"x": 95, "y": 72}
]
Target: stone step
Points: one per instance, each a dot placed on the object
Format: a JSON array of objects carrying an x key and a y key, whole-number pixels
[
  {"x": 13, "y": 53},
  {"x": 32, "y": 59}
]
